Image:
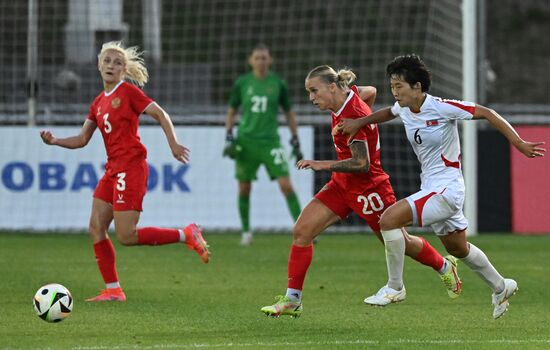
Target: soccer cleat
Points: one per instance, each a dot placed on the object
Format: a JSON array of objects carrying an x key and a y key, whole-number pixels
[
  {"x": 283, "y": 306},
  {"x": 246, "y": 239},
  {"x": 450, "y": 278},
  {"x": 386, "y": 295},
  {"x": 500, "y": 300},
  {"x": 194, "y": 241},
  {"x": 109, "y": 294}
]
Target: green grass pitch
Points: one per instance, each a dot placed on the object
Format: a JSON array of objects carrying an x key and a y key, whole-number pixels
[{"x": 175, "y": 302}]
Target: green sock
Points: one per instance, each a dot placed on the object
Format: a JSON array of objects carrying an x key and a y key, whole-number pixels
[
  {"x": 244, "y": 212},
  {"x": 293, "y": 205}
]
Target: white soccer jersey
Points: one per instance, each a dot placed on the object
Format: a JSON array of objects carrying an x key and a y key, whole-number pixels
[{"x": 433, "y": 134}]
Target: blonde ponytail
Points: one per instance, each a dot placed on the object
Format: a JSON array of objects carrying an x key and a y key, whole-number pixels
[
  {"x": 343, "y": 78},
  {"x": 133, "y": 59}
]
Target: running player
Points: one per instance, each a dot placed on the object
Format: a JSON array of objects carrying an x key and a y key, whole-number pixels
[
  {"x": 431, "y": 127},
  {"x": 119, "y": 194},
  {"x": 260, "y": 93},
  {"x": 358, "y": 184}
]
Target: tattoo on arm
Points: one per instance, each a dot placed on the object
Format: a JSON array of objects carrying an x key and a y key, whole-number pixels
[{"x": 359, "y": 161}]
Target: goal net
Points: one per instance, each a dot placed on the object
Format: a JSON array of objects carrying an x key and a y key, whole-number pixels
[{"x": 194, "y": 51}]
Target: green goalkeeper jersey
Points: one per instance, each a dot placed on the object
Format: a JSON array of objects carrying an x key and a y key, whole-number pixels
[{"x": 260, "y": 100}]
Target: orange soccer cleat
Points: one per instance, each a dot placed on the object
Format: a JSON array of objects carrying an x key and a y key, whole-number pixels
[
  {"x": 194, "y": 241},
  {"x": 110, "y": 294}
]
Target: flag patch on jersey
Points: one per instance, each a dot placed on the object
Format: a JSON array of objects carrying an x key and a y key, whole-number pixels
[{"x": 432, "y": 122}]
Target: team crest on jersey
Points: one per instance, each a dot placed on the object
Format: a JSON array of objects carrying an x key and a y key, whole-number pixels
[
  {"x": 98, "y": 111},
  {"x": 249, "y": 91},
  {"x": 115, "y": 103},
  {"x": 432, "y": 122}
]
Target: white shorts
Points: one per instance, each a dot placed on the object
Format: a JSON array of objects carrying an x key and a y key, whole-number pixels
[{"x": 441, "y": 209}]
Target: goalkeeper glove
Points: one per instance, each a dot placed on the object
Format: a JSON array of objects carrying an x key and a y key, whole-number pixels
[
  {"x": 296, "y": 152},
  {"x": 230, "y": 148}
]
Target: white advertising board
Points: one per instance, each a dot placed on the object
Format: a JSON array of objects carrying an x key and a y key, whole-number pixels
[{"x": 50, "y": 188}]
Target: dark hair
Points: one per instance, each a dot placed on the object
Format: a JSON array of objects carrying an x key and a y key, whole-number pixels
[{"x": 412, "y": 69}]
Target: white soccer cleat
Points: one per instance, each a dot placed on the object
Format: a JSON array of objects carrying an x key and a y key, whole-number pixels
[
  {"x": 386, "y": 295},
  {"x": 500, "y": 300},
  {"x": 246, "y": 239}
]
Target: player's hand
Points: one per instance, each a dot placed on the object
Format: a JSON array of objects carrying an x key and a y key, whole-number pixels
[
  {"x": 296, "y": 152},
  {"x": 347, "y": 127},
  {"x": 309, "y": 164},
  {"x": 48, "y": 137},
  {"x": 181, "y": 153},
  {"x": 230, "y": 148},
  {"x": 531, "y": 149}
]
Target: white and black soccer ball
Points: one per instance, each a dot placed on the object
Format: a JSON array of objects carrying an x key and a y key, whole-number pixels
[{"x": 53, "y": 302}]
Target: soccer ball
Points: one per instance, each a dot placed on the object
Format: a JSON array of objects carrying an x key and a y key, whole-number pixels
[{"x": 53, "y": 302}]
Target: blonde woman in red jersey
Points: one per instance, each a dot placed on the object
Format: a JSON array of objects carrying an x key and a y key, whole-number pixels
[
  {"x": 119, "y": 194},
  {"x": 358, "y": 184}
]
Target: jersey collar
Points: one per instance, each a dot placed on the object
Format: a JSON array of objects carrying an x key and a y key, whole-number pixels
[
  {"x": 114, "y": 89},
  {"x": 350, "y": 95}
]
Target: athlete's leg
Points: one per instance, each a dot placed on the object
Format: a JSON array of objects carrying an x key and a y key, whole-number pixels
[
  {"x": 100, "y": 219},
  {"x": 314, "y": 218},
  {"x": 245, "y": 187},
  {"x": 457, "y": 245},
  {"x": 291, "y": 198}
]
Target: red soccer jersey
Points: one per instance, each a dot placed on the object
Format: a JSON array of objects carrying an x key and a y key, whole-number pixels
[
  {"x": 354, "y": 108},
  {"x": 117, "y": 115}
]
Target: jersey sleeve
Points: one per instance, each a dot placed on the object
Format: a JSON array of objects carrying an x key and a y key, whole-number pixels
[
  {"x": 284, "y": 98},
  {"x": 395, "y": 109},
  {"x": 91, "y": 113},
  {"x": 454, "y": 109},
  {"x": 235, "y": 97},
  {"x": 138, "y": 100}
]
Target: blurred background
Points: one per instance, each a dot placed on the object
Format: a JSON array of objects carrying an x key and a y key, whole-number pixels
[{"x": 194, "y": 51}]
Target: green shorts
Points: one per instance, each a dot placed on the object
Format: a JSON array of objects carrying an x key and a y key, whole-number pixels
[{"x": 250, "y": 155}]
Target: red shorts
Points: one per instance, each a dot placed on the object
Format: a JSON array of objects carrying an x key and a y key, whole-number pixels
[
  {"x": 124, "y": 190},
  {"x": 369, "y": 205}
]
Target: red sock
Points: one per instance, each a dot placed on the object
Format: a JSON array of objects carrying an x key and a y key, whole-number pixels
[
  {"x": 298, "y": 263},
  {"x": 429, "y": 256},
  {"x": 106, "y": 260},
  {"x": 157, "y": 236}
]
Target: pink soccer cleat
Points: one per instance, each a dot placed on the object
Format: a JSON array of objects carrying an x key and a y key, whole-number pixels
[
  {"x": 194, "y": 241},
  {"x": 109, "y": 294}
]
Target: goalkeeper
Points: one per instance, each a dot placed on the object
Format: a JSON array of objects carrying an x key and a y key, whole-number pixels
[{"x": 260, "y": 93}]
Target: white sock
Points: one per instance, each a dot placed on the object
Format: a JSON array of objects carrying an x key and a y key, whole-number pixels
[
  {"x": 480, "y": 264},
  {"x": 112, "y": 285},
  {"x": 182, "y": 235},
  {"x": 446, "y": 266},
  {"x": 394, "y": 243},
  {"x": 294, "y": 294}
]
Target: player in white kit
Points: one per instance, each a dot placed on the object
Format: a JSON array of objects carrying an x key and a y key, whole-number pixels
[{"x": 431, "y": 127}]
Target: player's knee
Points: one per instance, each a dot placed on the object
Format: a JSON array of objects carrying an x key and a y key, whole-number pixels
[
  {"x": 388, "y": 222},
  {"x": 126, "y": 237},
  {"x": 302, "y": 234},
  {"x": 97, "y": 232}
]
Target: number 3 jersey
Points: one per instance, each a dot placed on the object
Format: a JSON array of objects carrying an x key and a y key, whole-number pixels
[
  {"x": 433, "y": 134},
  {"x": 116, "y": 113},
  {"x": 354, "y": 108}
]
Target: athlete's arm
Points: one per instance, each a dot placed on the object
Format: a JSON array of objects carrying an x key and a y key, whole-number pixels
[
  {"x": 352, "y": 126},
  {"x": 230, "y": 120},
  {"x": 530, "y": 149},
  {"x": 367, "y": 94},
  {"x": 180, "y": 152},
  {"x": 358, "y": 163},
  {"x": 71, "y": 142}
]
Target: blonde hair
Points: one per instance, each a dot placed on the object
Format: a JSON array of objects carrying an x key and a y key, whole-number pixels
[
  {"x": 343, "y": 78},
  {"x": 133, "y": 59}
]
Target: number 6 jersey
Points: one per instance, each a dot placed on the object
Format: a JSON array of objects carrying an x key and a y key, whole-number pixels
[{"x": 433, "y": 135}]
